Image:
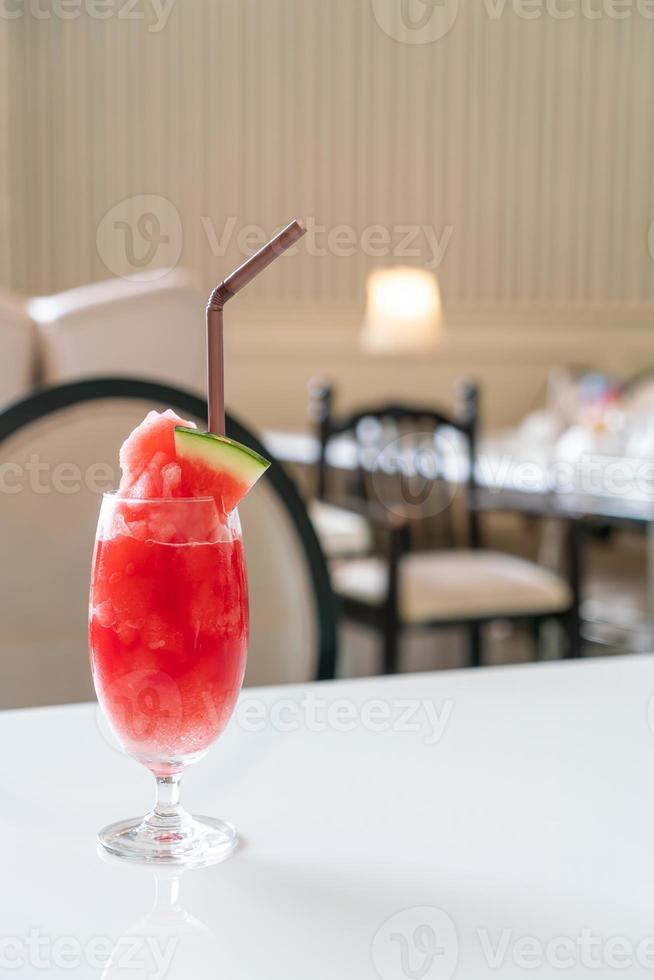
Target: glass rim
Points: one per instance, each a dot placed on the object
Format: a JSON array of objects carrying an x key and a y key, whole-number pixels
[{"x": 116, "y": 495}]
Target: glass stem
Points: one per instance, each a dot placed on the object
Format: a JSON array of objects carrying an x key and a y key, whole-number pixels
[
  {"x": 168, "y": 815},
  {"x": 167, "y": 804}
]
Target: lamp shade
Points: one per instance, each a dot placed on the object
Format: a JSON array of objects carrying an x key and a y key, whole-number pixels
[{"x": 403, "y": 312}]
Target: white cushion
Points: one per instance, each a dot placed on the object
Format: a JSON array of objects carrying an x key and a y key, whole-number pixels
[
  {"x": 18, "y": 345},
  {"x": 341, "y": 533},
  {"x": 442, "y": 585},
  {"x": 283, "y": 622},
  {"x": 151, "y": 329}
]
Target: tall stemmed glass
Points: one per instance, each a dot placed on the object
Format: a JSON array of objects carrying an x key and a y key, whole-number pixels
[{"x": 168, "y": 631}]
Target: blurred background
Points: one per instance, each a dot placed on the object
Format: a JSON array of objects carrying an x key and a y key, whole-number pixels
[{"x": 502, "y": 149}]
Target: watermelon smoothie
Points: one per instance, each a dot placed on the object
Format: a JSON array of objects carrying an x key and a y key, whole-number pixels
[
  {"x": 168, "y": 625},
  {"x": 168, "y": 622}
]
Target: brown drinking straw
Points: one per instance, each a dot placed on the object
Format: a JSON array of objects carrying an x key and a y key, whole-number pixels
[{"x": 228, "y": 288}]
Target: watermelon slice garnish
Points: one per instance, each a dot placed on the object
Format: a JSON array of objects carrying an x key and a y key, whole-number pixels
[{"x": 215, "y": 466}]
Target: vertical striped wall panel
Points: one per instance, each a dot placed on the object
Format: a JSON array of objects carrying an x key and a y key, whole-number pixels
[{"x": 523, "y": 143}]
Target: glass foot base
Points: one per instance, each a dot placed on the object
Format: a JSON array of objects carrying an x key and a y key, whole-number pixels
[{"x": 195, "y": 842}]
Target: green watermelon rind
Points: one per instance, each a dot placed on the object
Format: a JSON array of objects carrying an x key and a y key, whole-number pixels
[{"x": 224, "y": 454}]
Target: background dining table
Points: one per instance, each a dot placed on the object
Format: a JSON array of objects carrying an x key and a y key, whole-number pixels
[{"x": 461, "y": 824}]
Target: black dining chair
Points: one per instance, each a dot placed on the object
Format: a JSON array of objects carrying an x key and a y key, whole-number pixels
[
  {"x": 413, "y": 461},
  {"x": 58, "y": 452}
]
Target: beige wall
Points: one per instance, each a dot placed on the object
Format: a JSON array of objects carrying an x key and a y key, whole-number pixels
[
  {"x": 508, "y": 350},
  {"x": 521, "y": 141}
]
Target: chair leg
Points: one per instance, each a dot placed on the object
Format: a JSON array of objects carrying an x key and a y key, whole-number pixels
[
  {"x": 573, "y": 648},
  {"x": 398, "y": 545},
  {"x": 390, "y": 647},
  {"x": 537, "y": 634},
  {"x": 475, "y": 646},
  {"x": 573, "y": 617}
]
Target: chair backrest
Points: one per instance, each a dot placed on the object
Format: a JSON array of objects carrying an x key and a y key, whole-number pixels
[
  {"x": 58, "y": 453},
  {"x": 124, "y": 327},
  {"x": 406, "y": 454},
  {"x": 18, "y": 344}
]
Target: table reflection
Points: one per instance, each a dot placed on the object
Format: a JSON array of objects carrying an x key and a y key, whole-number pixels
[{"x": 168, "y": 943}]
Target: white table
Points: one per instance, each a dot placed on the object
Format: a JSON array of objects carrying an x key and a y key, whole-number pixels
[
  {"x": 600, "y": 485},
  {"x": 528, "y": 821}
]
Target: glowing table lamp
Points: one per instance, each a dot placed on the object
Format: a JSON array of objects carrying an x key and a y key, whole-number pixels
[{"x": 403, "y": 312}]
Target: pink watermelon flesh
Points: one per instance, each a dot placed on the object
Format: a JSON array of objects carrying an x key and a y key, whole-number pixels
[
  {"x": 200, "y": 480},
  {"x": 152, "y": 471},
  {"x": 148, "y": 459}
]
